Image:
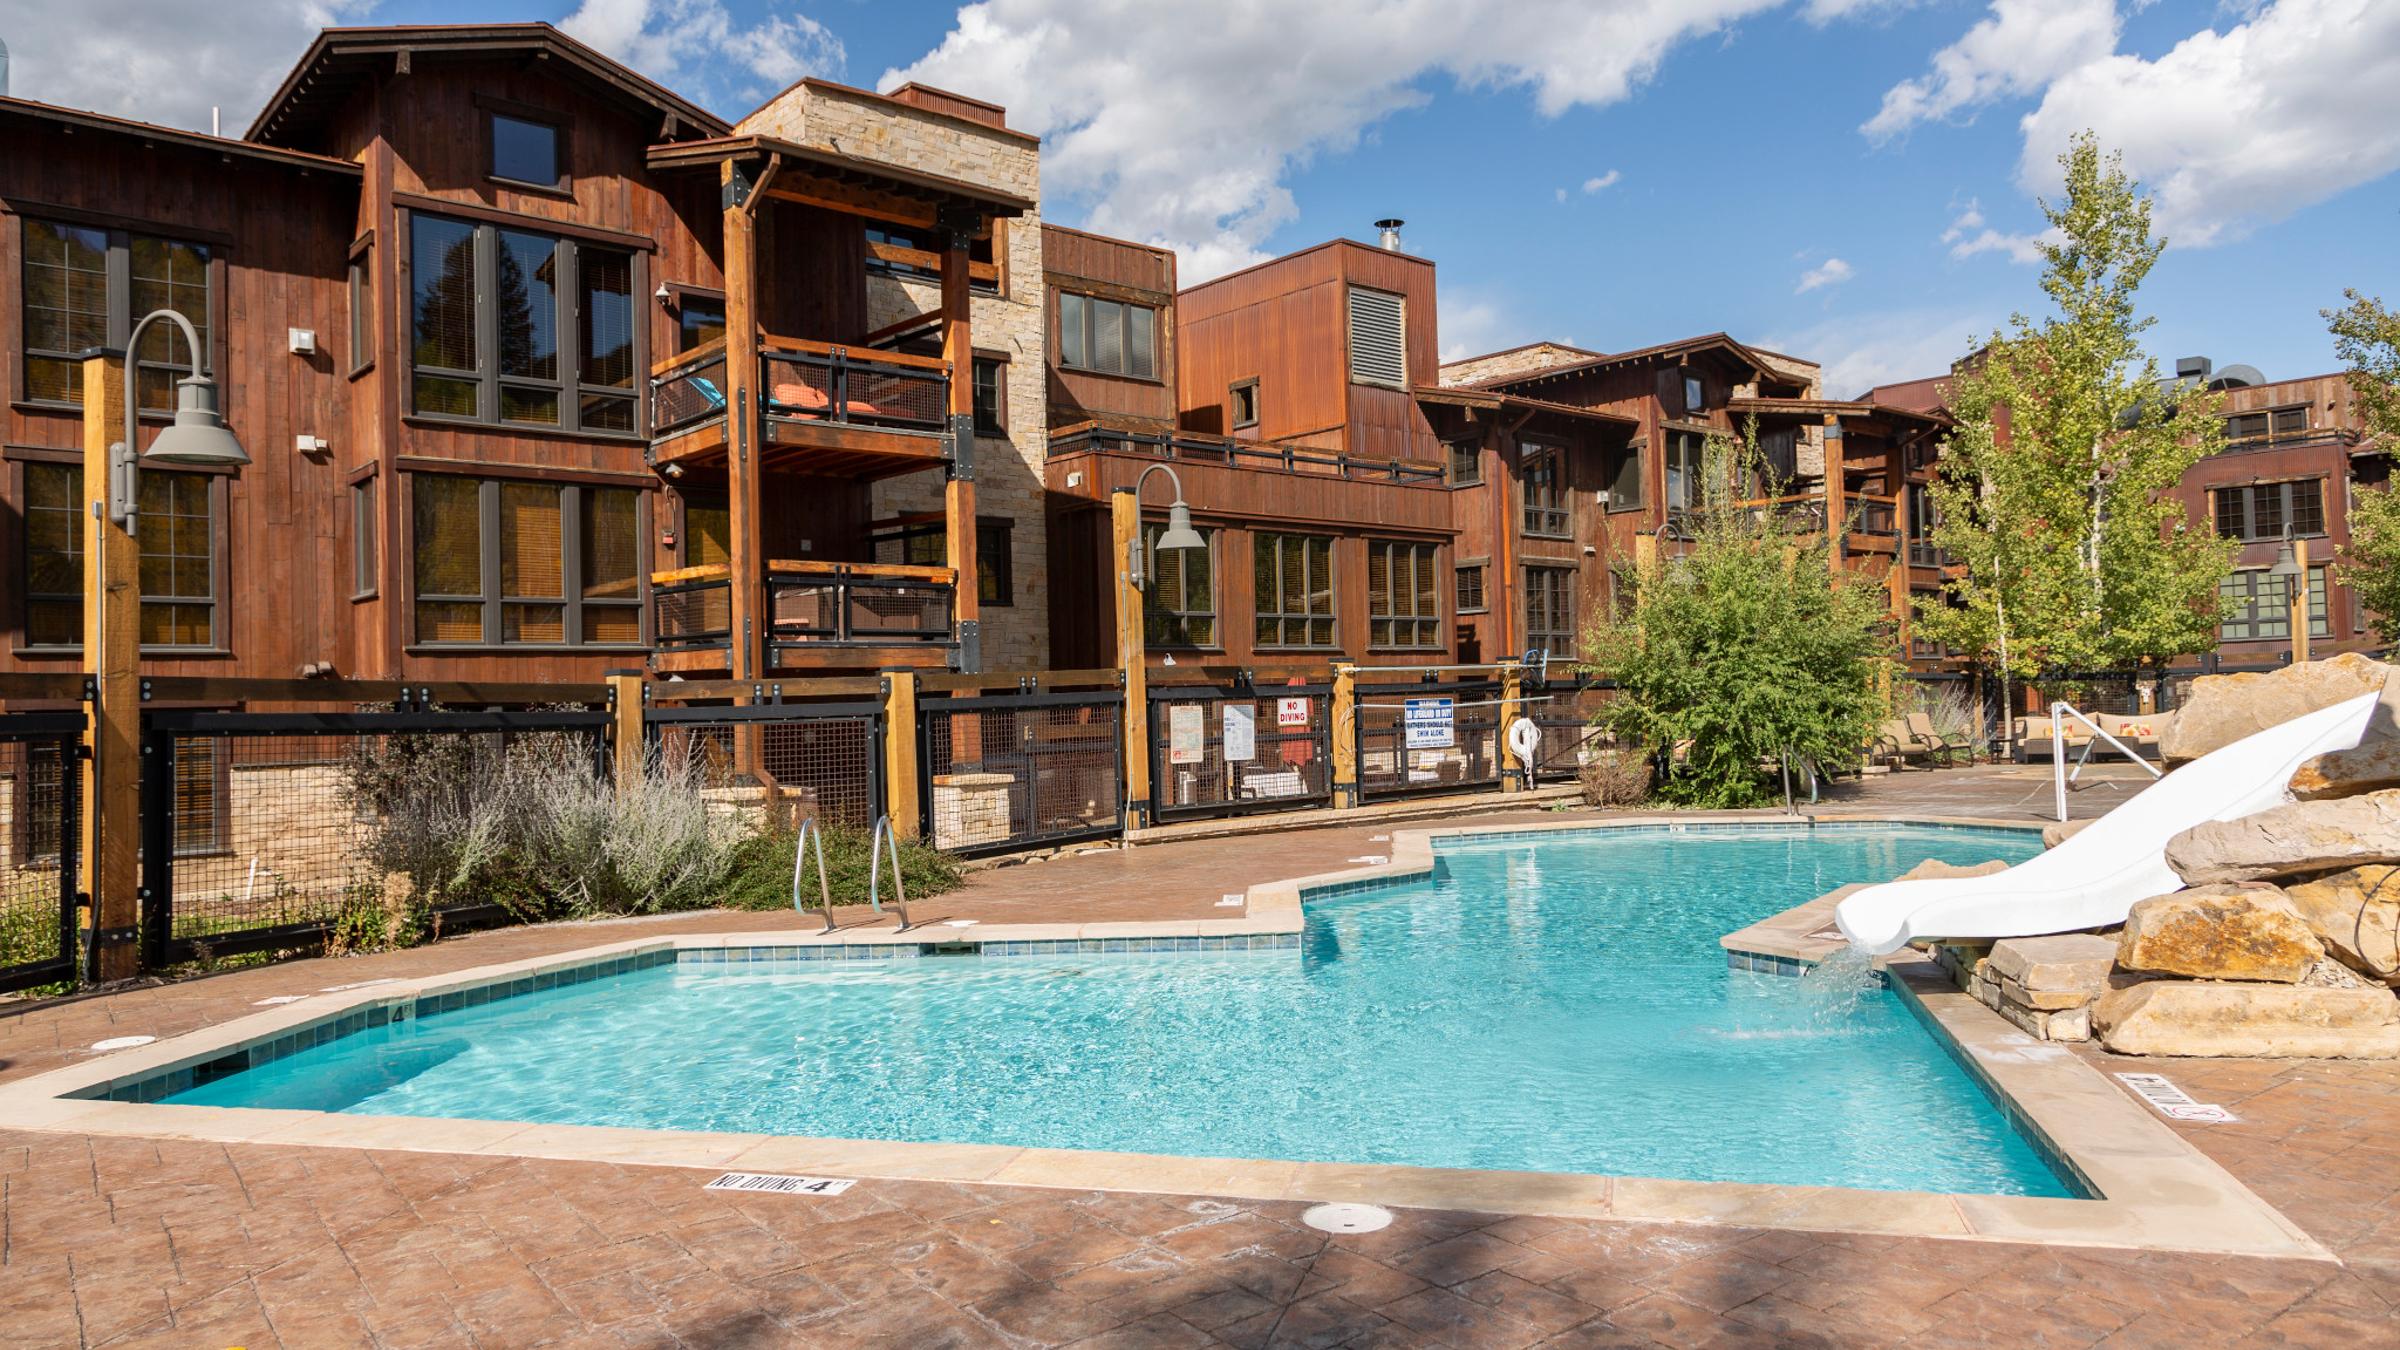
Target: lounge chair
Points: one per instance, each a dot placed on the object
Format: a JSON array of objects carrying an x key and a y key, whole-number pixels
[
  {"x": 1898, "y": 744},
  {"x": 1946, "y": 749}
]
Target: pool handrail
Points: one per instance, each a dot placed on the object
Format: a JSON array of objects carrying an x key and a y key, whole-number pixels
[
  {"x": 811, "y": 831},
  {"x": 887, "y": 840}
]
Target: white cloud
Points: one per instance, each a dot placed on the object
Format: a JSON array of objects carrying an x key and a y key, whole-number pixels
[
  {"x": 696, "y": 48},
  {"x": 1562, "y": 196},
  {"x": 1861, "y": 351},
  {"x": 2020, "y": 48},
  {"x": 2230, "y": 130},
  {"x": 1602, "y": 183},
  {"x": 1822, "y": 12},
  {"x": 167, "y": 64},
  {"x": 1471, "y": 324},
  {"x": 1831, "y": 272},
  {"x": 1970, "y": 235},
  {"x": 1175, "y": 132}
]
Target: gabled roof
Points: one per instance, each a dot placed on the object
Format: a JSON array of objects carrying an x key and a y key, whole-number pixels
[
  {"x": 1837, "y": 407},
  {"x": 341, "y": 58},
  {"x": 73, "y": 120},
  {"x": 1659, "y": 354}
]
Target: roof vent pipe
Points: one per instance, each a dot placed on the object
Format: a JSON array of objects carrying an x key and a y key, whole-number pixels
[{"x": 1388, "y": 232}]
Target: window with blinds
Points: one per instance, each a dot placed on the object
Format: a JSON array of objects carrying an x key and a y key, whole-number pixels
[
  {"x": 1179, "y": 606},
  {"x": 1293, "y": 589},
  {"x": 1378, "y": 338},
  {"x": 1545, "y": 491},
  {"x": 178, "y": 559},
  {"x": 86, "y": 287},
  {"x": 2271, "y": 510},
  {"x": 522, "y": 328},
  {"x": 53, "y": 555},
  {"x": 1403, "y": 609},
  {"x": 504, "y": 563},
  {"x": 1550, "y": 610},
  {"x": 1470, "y": 589},
  {"x": 1107, "y": 337}
]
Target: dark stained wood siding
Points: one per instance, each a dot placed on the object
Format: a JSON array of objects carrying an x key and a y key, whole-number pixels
[{"x": 1117, "y": 269}]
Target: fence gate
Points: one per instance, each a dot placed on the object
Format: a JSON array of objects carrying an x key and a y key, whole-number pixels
[
  {"x": 259, "y": 829},
  {"x": 1000, "y": 772},
  {"x": 1433, "y": 753},
  {"x": 822, "y": 759},
  {"x": 1220, "y": 750},
  {"x": 1565, "y": 711},
  {"x": 40, "y": 787}
]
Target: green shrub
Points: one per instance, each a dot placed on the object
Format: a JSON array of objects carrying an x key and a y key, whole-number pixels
[{"x": 762, "y": 870}]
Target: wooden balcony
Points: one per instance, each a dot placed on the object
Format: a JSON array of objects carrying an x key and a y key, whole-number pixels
[
  {"x": 818, "y": 616},
  {"x": 845, "y": 411}
]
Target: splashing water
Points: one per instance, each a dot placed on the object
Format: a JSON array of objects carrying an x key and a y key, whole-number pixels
[{"x": 1833, "y": 989}]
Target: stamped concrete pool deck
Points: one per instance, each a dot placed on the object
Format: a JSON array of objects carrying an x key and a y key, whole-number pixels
[{"x": 116, "y": 1239}]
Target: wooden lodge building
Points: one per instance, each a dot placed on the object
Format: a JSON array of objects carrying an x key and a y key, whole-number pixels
[{"x": 545, "y": 371}]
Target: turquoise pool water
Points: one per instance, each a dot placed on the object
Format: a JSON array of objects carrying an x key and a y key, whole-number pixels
[{"x": 1551, "y": 1006}]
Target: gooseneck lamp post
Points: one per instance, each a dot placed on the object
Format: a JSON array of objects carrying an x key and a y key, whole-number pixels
[
  {"x": 2291, "y": 568},
  {"x": 1179, "y": 536},
  {"x": 110, "y": 821}
]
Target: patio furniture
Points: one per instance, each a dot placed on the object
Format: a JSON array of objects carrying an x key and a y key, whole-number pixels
[
  {"x": 1946, "y": 749},
  {"x": 1898, "y": 745}
]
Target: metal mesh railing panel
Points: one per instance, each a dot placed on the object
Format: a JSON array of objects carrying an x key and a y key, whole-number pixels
[
  {"x": 1389, "y": 766},
  {"x": 687, "y": 396},
  {"x": 852, "y": 389},
  {"x": 276, "y": 837},
  {"x": 1001, "y": 777},
  {"x": 788, "y": 761},
  {"x": 697, "y": 614},
  {"x": 40, "y": 791},
  {"x": 1290, "y": 759},
  {"x": 1566, "y": 716}
]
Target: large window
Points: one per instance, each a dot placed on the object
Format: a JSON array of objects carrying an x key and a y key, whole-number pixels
[
  {"x": 2273, "y": 424},
  {"x": 1686, "y": 451},
  {"x": 2262, "y": 607},
  {"x": 1179, "y": 605},
  {"x": 897, "y": 250},
  {"x": 1550, "y": 610},
  {"x": 53, "y": 555},
  {"x": 86, "y": 287},
  {"x": 1378, "y": 337},
  {"x": 1107, "y": 337},
  {"x": 501, "y": 562},
  {"x": 699, "y": 320},
  {"x": 1545, "y": 490},
  {"x": 2271, "y": 510},
  {"x": 1625, "y": 487},
  {"x": 1403, "y": 609},
  {"x": 928, "y": 545},
  {"x": 176, "y": 548},
  {"x": 516, "y": 327},
  {"x": 1293, "y": 575}
]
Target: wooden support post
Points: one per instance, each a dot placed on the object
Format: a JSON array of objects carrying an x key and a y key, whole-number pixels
[
  {"x": 1512, "y": 694},
  {"x": 900, "y": 754},
  {"x": 2300, "y": 603},
  {"x": 1344, "y": 715},
  {"x": 633, "y": 751},
  {"x": 112, "y": 613},
  {"x": 1837, "y": 508},
  {"x": 744, "y": 499},
  {"x": 1125, "y": 532},
  {"x": 1645, "y": 554},
  {"x": 958, "y": 350}
]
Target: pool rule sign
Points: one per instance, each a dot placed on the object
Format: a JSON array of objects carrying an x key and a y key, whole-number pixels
[{"x": 1430, "y": 723}]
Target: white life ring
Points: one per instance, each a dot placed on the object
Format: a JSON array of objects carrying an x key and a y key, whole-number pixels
[{"x": 1524, "y": 741}]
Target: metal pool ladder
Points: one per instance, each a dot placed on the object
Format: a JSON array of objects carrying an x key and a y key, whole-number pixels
[
  {"x": 809, "y": 832},
  {"x": 886, "y": 841}
]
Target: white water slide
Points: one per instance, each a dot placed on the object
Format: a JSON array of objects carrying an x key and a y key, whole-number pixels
[{"x": 2093, "y": 878}]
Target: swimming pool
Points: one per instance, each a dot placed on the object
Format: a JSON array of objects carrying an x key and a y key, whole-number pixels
[{"x": 1551, "y": 1005}]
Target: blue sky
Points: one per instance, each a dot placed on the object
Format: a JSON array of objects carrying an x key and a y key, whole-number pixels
[{"x": 1850, "y": 180}]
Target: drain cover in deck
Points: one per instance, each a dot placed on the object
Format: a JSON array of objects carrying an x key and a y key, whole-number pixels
[{"x": 1347, "y": 1218}]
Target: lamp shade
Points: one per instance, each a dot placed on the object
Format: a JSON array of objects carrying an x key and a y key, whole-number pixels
[
  {"x": 2286, "y": 566},
  {"x": 198, "y": 435},
  {"x": 1179, "y": 533}
]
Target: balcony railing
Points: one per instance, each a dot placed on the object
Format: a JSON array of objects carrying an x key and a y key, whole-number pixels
[
  {"x": 1877, "y": 516},
  {"x": 858, "y": 605},
  {"x": 1247, "y": 454},
  {"x": 814, "y": 381},
  {"x": 809, "y": 606},
  {"x": 806, "y": 381}
]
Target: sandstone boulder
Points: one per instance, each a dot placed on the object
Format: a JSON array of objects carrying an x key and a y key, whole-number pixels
[
  {"x": 2060, "y": 831},
  {"x": 2179, "y": 1017},
  {"x": 2356, "y": 914},
  {"x": 2292, "y": 840},
  {"x": 1934, "y": 869},
  {"x": 2243, "y": 931},
  {"x": 2052, "y": 973},
  {"x": 2222, "y": 709},
  {"x": 2372, "y": 766}
]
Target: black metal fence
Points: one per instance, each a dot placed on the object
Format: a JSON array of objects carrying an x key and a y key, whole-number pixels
[
  {"x": 1222, "y": 750},
  {"x": 788, "y": 760},
  {"x": 1566, "y": 711},
  {"x": 40, "y": 784},
  {"x": 1003, "y": 772},
  {"x": 268, "y": 830},
  {"x": 1427, "y": 737}
]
